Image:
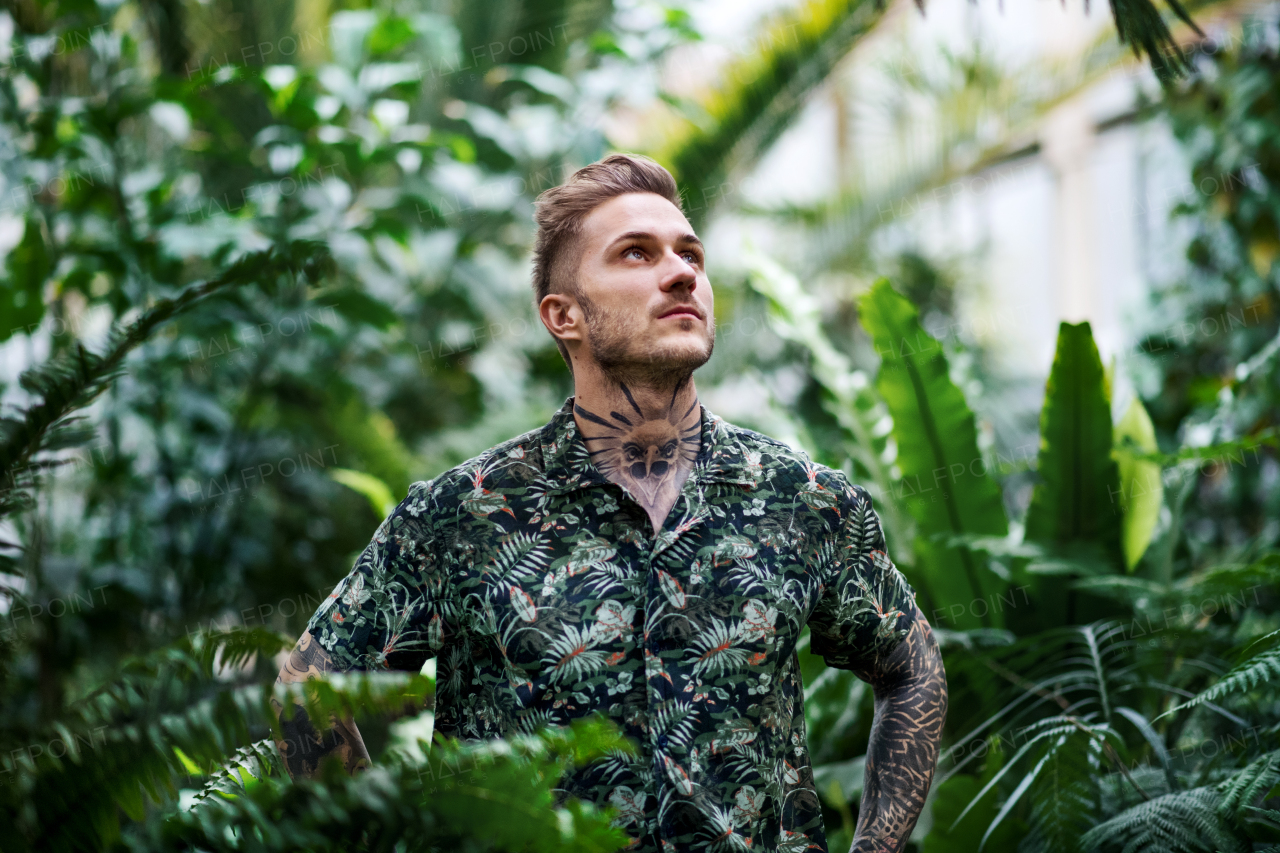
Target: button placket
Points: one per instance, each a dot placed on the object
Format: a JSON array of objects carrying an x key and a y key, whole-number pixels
[{"x": 655, "y": 670}]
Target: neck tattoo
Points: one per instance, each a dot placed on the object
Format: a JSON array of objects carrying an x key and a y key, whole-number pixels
[{"x": 649, "y": 453}]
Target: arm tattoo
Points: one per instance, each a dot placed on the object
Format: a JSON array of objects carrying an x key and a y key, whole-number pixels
[
  {"x": 303, "y": 746},
  {"x": 648, "y": 453},
  {"x": 910, "y": 707}
]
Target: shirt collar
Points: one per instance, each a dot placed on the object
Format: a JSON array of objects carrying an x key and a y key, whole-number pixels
[{"x": 567, "y": 466}]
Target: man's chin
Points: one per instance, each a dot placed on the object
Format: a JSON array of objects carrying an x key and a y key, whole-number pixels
[
  {"x": 663, "y": 366},
  {"x": 687, "y": 351}
]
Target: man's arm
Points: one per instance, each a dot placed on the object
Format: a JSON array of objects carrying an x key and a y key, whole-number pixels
[
  {"x": 303, "y": 747},
  {"x": 910, "y": 707}
]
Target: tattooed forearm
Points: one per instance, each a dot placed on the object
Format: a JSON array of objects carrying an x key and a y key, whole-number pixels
[
  {"x": 910, "y": 707},
  {"x": 647, "y": 449},
  {"x": 303, "y": 746}
]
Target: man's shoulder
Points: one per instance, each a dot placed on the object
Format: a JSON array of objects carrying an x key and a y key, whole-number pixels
[
  {"x": 781, "y": 462},
  {"x": 509, "y": 464}
]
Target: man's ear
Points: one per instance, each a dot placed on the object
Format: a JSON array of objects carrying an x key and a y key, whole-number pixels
[{"x": 562, "y": 315}]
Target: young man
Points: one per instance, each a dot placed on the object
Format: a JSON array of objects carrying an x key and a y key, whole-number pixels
[{"x": 640, "y": 556}]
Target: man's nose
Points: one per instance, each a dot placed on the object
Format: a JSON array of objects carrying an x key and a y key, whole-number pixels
[{"x": 678, "y": 273}]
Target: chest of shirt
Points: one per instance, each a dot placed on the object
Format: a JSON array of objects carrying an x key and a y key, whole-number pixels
[{"x": 558, "y": 588}]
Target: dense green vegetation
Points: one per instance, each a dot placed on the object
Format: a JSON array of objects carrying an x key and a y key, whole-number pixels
[{"x": 267, "y": 265}]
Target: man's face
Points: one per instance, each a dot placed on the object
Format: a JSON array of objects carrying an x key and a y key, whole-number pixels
[{"x": 643, "y": 288}]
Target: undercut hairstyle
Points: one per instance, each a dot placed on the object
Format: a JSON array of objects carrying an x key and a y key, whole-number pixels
[{"x": 559, "y": 211}]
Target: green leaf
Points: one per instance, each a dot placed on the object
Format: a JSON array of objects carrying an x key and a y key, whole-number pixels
[
  {"x": 841, "y": 781},
  {"x": 1075, "y": 506},
  {"x": 374, "y": 490},
  {"x": 22, "y": 301},
  {"x": 947, "y": 836},
  {"x": 837, "y": 711},
  {"x": 1156, "y": 742},
  {"x": 1141, "y": 488},
  {"x": 1076, "y": 498},
  {"x": 191, "y": 766},
  {"x": 389, "y": 35},
  {"x": 945, "y": 485}
]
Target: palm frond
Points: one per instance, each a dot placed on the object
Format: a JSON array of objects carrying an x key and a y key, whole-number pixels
[
  {"x": 730, "y": 129},
  {"x": 741, "y": 119},
  {"x": 795, "y": 315},
  {"x": 1140, "y": 25}
]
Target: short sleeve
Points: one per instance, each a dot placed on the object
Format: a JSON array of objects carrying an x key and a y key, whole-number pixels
[
  {"x": 395, "y": 609},
  {"x": 867, "y": 606}
]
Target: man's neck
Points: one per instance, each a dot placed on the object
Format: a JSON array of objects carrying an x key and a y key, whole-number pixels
[{"x": 645, "y": 439}]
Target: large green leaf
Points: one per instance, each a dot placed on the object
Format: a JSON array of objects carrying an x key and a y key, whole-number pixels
[
  {"x": 1077, "y": 497},
  {"x": 1141, "y": 488},
  {"x": 1075, "y": 506},
  {"x": 945, "y": 485}
]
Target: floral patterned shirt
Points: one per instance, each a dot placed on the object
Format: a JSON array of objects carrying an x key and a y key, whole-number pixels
[{"x": 545, "y": 595}]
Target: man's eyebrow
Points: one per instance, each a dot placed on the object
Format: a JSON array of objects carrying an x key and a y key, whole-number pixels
[{"x": 645, "y": 235}]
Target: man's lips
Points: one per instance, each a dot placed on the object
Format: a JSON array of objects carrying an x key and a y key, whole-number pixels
[{"x": 682, "y": 311}]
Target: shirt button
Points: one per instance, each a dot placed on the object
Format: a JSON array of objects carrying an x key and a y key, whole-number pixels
[{"x": 662, "y": 741}]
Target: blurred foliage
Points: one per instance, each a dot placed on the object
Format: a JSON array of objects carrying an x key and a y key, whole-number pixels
[{"x": 1212, "y": 376}]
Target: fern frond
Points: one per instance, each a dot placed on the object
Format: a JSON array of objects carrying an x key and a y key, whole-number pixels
[
  {"x": 470, "y": 797},
  {"x": 67, "y": 384},
  {"x": 132, "y": 740},
  {"x": 1247, "y": 675},
  {"x": 1064, "y": 801},
  {"x": 1183, "y": 822},
  {"x": 1231, "y": 585},
  {"x": 258, "y": 760},
  {"x": 1246, "y": 787}
]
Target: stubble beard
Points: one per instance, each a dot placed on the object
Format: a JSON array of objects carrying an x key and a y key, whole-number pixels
[{"x": 618, "y": 347}]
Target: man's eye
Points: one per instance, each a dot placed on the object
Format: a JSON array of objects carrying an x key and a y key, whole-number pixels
[
  {"x": 634, "y": 251},
  {"x": 691, "y": 257}
]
